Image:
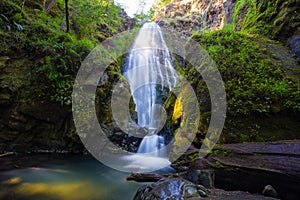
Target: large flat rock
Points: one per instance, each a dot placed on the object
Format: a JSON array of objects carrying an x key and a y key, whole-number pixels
[{"x": 281, "y": 157}]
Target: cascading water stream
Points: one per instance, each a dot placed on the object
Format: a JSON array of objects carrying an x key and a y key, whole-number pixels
[{"x": 150, "y": 74}]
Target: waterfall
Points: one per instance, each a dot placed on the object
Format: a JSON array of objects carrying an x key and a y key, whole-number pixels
[
  {"x": 150, "y": 73},
  {"x": 151, "y": 144}
]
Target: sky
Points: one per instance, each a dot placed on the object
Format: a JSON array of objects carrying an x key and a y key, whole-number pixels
[{"x": 132, "y": 6}]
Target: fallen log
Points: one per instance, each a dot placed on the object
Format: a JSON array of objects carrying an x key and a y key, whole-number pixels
[
  {"x": 147, "y": 177},
  {"x": 6, "y": 154}
]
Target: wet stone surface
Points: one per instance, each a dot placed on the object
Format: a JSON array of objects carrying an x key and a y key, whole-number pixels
[{"x": 181, "y": 189}]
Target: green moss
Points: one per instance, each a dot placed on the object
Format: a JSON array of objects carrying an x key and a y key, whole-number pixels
[
  {"x": 257, "y": 81},
  {"x": 193, "y": 156},
  {"x": 254, "y": 77},
  {"x": 277, "y": 19},
  {"x": 239, "y": 5},
  {"x": 219, "y": 164}
]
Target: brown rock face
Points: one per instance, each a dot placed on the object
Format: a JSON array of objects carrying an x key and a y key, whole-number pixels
[
  {"x": 196, "y": 14},
  {"x": 129, "y": 22}
]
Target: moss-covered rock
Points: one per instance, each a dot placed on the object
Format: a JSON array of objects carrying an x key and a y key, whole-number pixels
[
  {"x": 262, "y": 84},
  {"x": 276, "y": 19},
  {"x": 39, "y": 60},
  {"x": 261, "y": 77}
]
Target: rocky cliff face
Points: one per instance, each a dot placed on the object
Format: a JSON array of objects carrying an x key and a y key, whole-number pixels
[
  {"x": 275, "y": 19},
  {"x": 253, "y": 34},
  {"x": 129, "y": 23},
  {"x": 29, "y": 120},
  {"x": 196, "y": 15}
]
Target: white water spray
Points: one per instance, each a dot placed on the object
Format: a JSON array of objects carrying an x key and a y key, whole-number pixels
[{"x": 150, "y": 62}]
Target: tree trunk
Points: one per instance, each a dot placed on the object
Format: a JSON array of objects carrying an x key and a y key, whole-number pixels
[{"x": 67, "y": 15}]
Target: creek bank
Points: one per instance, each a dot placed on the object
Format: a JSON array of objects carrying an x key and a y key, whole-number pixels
[
  {"x": 251, "y": 166},
  {"x": 232, "y": 171},
  {"x": 181, "y": 189}
]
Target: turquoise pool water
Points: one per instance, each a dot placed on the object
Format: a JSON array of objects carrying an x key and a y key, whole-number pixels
[{"x": 64, "y": 178}]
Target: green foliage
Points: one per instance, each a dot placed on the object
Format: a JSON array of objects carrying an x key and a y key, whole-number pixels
[
  {"x": 32, "y": 32},
  {"x": 228, "y": 28},
  {"x": 151, "y": 13},
  {"x": 142, "y": 17},
  {"x": 239, "y": 5},
  {"x": 61, "y": 68},
  {"x": 89, "y": 15},
  {"x": 254, "y": 78},
  {"x": 252, "y": 21},
  {"x": 145, "y": 17}
]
